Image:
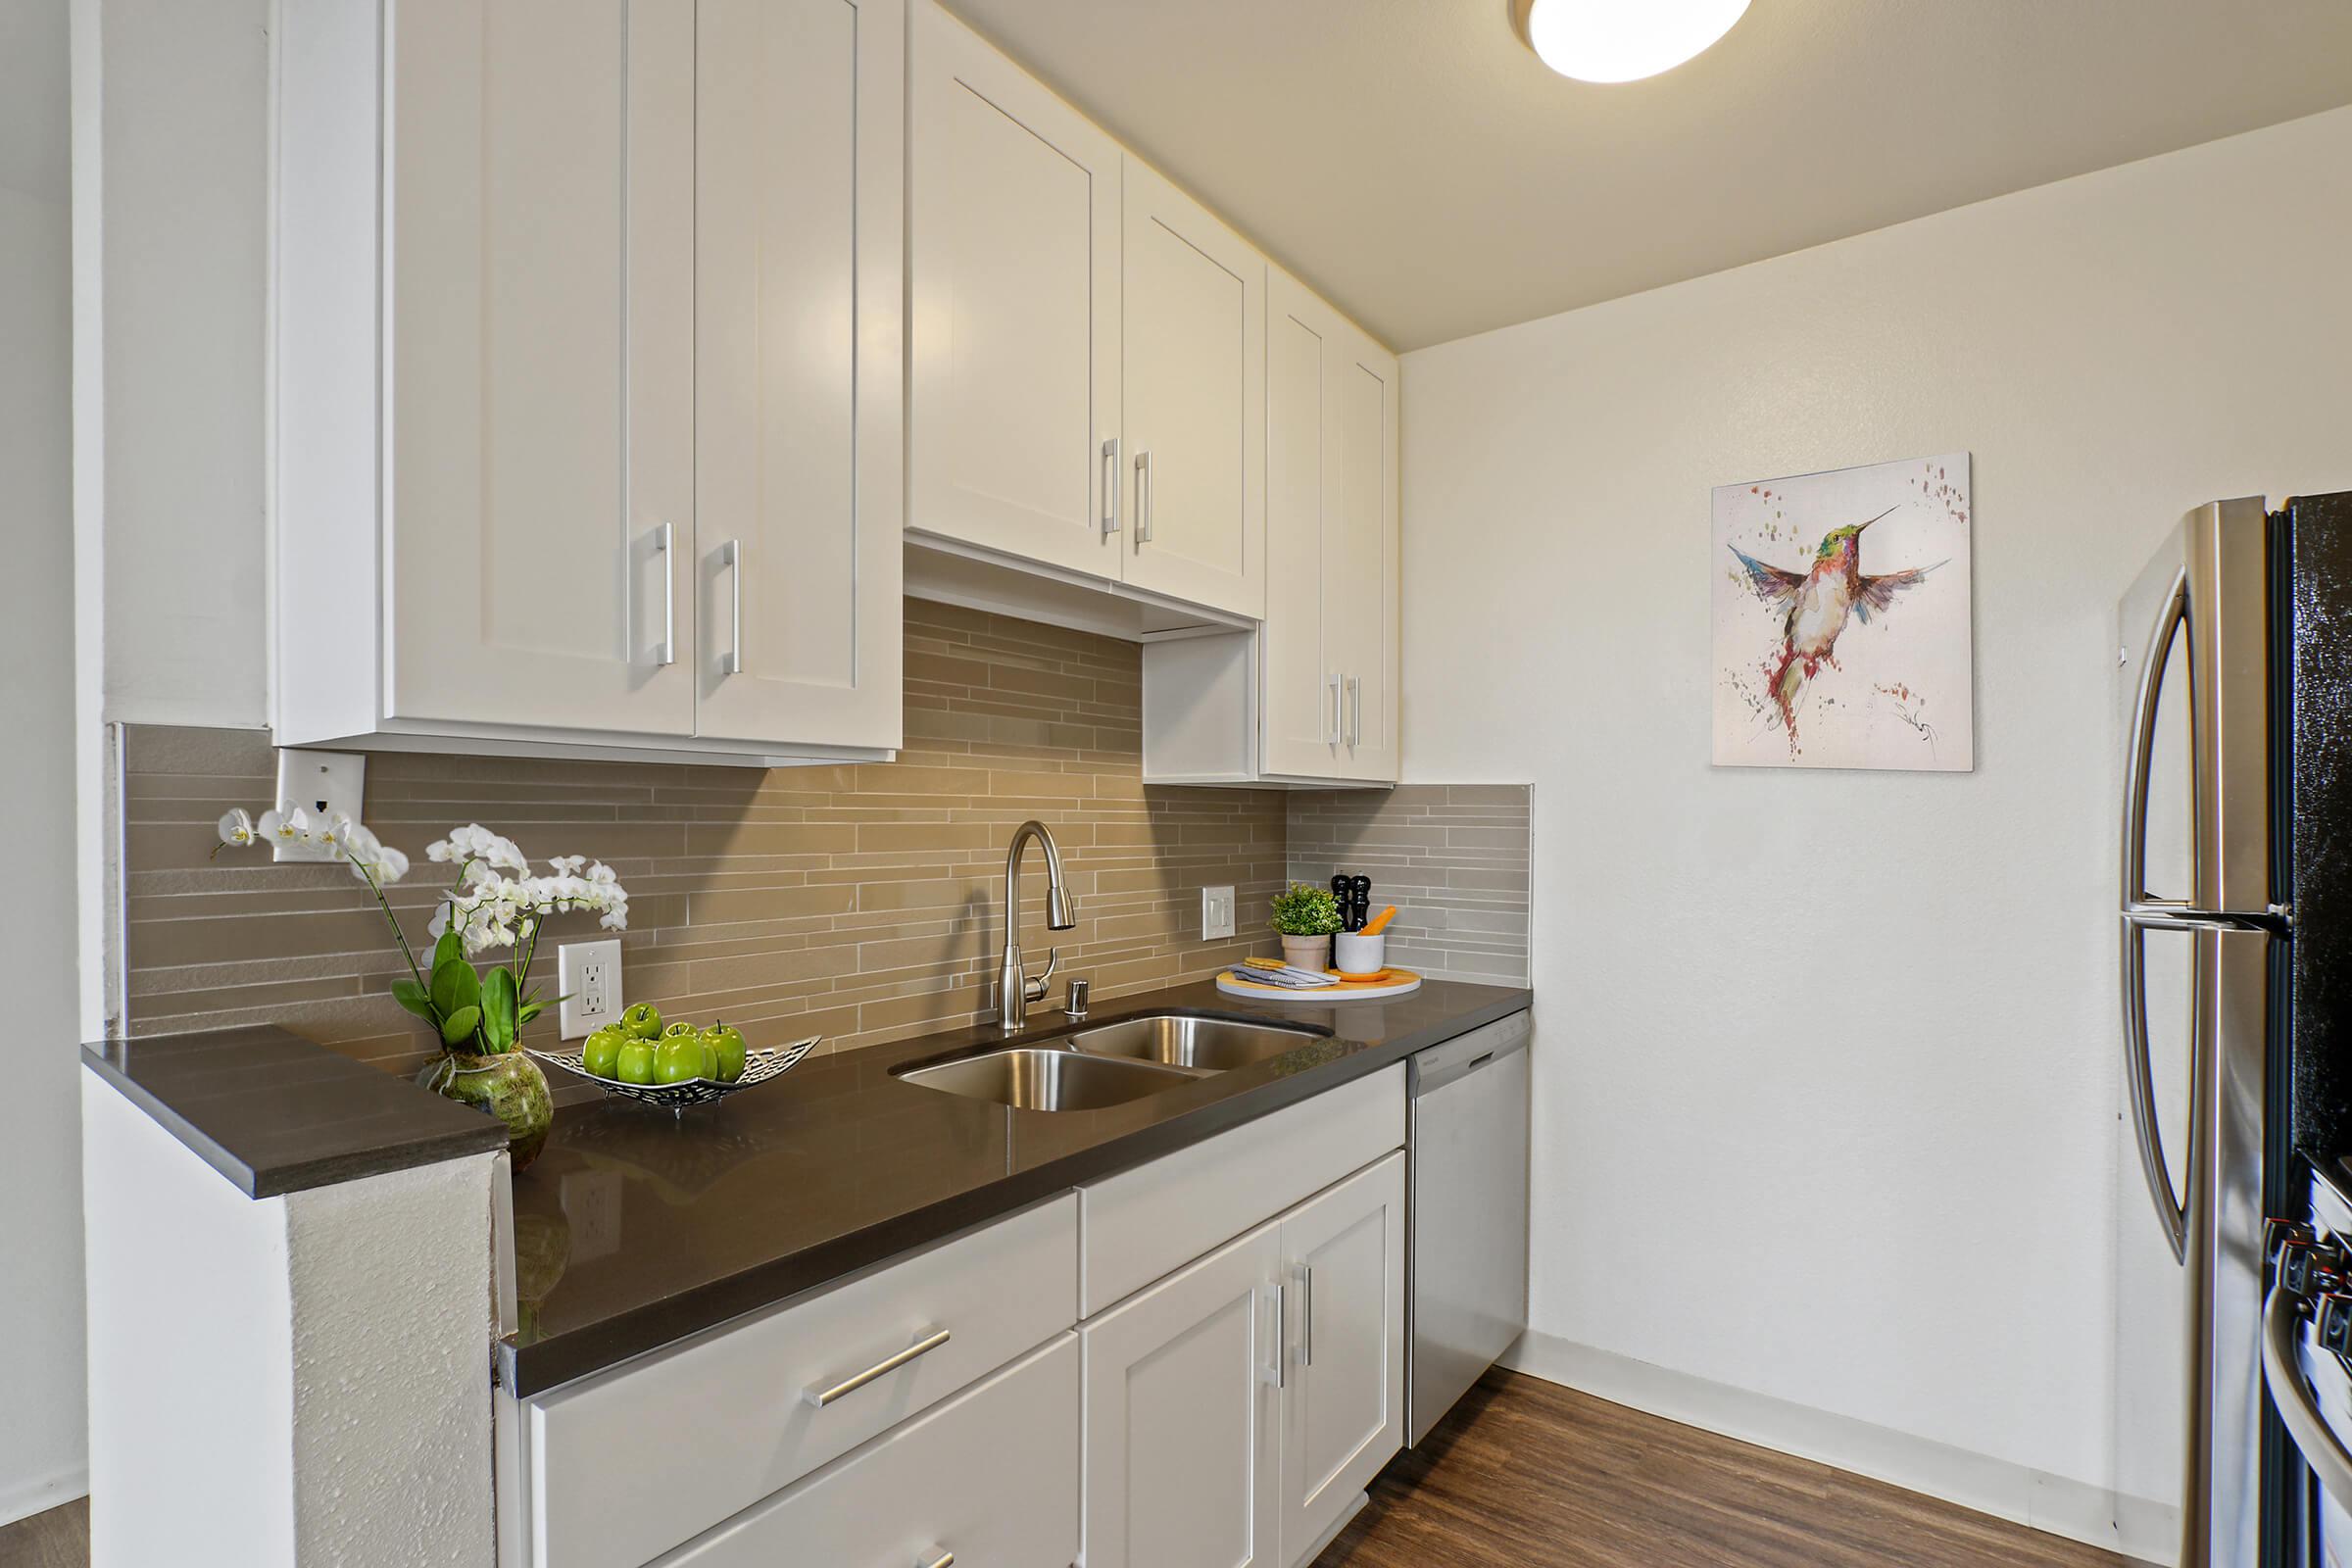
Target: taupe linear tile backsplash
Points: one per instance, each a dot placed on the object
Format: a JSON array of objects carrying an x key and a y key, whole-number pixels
[
  {"x": 1453, "y": 858},
  {"x": 857, "y": 902}
]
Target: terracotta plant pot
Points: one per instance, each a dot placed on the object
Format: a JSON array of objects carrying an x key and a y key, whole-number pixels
[
  {"x": 1306, "y": 953},
  {"x": 508, "y": 1086}
]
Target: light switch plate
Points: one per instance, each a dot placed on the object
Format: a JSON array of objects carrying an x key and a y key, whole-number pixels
[
  {"x": 1216, "y": 914},
  {"x": 322, "y": 783},
  {"x": 588, "y": 978}
]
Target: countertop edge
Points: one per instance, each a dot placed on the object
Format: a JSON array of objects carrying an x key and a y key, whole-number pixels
[
  {"x": 529, "y": 1371},
  {"x": 477, "y": 1136}
]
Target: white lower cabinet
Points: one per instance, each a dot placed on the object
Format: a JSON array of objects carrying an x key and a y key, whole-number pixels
[
  {"x": 1180, "y": 1416},
  {"x": 1236, "y": 1408},
  {"x": 1342, "y": 1400},
  {"x": 991, "y": 1477}
]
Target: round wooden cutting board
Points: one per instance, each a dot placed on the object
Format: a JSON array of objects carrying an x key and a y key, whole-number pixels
[{"x": 1393, "y": 982}]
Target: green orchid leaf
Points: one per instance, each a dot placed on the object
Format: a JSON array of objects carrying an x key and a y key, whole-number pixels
[
  {"x": 498, "y": 1009},
  {"x": 459, "y": 1026},
  {"x": 450, "y": 949},
  {"x": 455, "y": 986},
  {"x": 413, "y": 997}
]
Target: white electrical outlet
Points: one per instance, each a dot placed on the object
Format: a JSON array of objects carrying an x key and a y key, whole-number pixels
[
  {"x": 322, "y": 784},
  {"x": 588, "y": 978},
  {"x": 1216, "y": 914}
]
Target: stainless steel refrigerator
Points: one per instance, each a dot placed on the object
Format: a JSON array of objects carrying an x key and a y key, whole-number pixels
[{"x": 2235, "y": 649}]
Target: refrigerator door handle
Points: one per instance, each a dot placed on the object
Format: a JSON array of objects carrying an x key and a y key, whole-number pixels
[
  {"x": 2290, "y": 1393},
  {"x": 2140, "y": 912}
]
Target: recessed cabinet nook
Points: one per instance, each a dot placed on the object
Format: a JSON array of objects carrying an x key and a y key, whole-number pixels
[{"x": 632, "y": 360}]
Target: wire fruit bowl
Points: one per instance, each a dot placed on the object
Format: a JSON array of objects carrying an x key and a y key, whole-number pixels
[{"x": 759, "y": 1066}]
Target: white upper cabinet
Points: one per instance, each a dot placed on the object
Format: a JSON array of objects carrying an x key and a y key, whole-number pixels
[
  {"x": 1193, "y": 356},
  {"x": 572, "y": 296},
  {"x": 539, "y": 394},
  {"x": 1311, "y": 696},
  {"x": 797, "y": 455},
  {"x": 1013, "y": 248}
]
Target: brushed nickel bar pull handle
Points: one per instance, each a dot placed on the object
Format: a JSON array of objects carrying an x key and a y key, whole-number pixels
[
  {"x": 1306, "y": 1317},
  {"x": 1111, "y": 487},
  {"x": 1335, "y": 708},
  {"x": 1282, "y": 1335},
  {"x": 945, "y": 1560},
  {"x": 1142, "y": 498},
  {"x": 667, "y": 652},
  {"x": 821, "y": 1398},
  {"x": 730, "y": 555}
]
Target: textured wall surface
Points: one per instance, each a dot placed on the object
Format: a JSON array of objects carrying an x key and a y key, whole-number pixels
[
  {"x": 1453, "y": 858},
  {"x": 861, "y": 903},
  {"x": 1873, "y": 1014}
]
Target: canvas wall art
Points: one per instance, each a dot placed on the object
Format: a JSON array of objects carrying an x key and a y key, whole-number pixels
[{"x": 1842, "y": 623}]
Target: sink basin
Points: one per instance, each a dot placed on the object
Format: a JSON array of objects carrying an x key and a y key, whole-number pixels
[
  {"x": 1203, "y": 1045},
  {"x": 1047, "y": 1078}
]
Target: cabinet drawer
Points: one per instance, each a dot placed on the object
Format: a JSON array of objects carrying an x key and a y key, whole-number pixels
[
  {"x": 991, "y": 1476},
  {"x": 627, "y": 1465},
  {"x": 1142, "y": 1223}
]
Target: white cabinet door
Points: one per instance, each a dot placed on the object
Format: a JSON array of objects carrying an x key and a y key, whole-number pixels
[
  {"x": 798, "y": 197},
  {"x": 1361, "y": 566},
  {"x": 1301, "y": 708},
  {"x": 1193, "y": 368},
  {"x": 1342, "y": 1413},
  {"x": 1328, "y": 698},
  {"x": 1013, "y": 254},
  {"x": 539, "y": 396},
  {"x": 991, "y": 1477},
  {"x": 1179, "y": 1420}
]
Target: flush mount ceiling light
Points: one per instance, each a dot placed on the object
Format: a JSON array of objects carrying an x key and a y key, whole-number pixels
[{"x": 1621, "y": 40}]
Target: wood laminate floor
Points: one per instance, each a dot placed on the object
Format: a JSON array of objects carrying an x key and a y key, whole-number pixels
[
  {"x": 58, "y": 1538},
  {"x": 1524, "y": 1474}
]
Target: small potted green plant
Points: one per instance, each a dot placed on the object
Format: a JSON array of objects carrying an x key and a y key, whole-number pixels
[{"x": 1306, "y": 916}]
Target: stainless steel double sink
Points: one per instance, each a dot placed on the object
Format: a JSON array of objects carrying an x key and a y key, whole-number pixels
[{"x": 1109, "y": 1064}]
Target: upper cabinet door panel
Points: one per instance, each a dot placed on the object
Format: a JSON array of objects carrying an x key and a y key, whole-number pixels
[
  {"x": 1361, "y": 562},
  {"x": 1013, "y": 245},
  {"x": 1301, "y": 706},
  {"x": 1193, "y": 399},
  {"x": 799, "y": 161},
  {"x": 539, "y": 331}
]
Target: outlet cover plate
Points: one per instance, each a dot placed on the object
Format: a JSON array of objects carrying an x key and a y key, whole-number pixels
[
  {"x": 1216, "y": 914},
  {"x": 588, "y": 978},
  {"x": 322, "y": 783}
]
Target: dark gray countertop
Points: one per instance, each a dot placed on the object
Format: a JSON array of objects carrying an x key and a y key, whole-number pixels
[
  {"x": 636, "y": 1229},
  {"x": 275, "y": 1113}
]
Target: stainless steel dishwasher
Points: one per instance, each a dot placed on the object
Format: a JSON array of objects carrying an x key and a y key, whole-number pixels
[{"x": 1466, "y": 1251}]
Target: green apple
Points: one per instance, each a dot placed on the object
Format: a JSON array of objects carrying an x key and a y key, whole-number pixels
[
  {"x": 678, "y": 1027},
  {"x": 727, "y": 1050},
  {"x": 681, "y": 1059},
  {"x": 635, "y": 1065},
  {"x": 602, "y": 1052},
  {"x": 642, "y": 1019}
]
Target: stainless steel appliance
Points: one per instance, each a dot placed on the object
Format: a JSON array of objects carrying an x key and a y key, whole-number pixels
[
  {"x": 1465, "y": 1247},
  {"x": 2237, "y": 959}
]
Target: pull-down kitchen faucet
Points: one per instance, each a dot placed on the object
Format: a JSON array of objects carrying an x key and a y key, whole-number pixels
[{"x": 1014, "y": 985}]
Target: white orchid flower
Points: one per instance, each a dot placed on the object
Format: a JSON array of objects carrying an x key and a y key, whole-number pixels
[
  {"x": 390, "y": 864},
  {"x": 237, "y": 828},
  {"x": 287, "y": 823}
]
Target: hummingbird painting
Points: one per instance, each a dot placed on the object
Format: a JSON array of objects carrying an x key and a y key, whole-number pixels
[{"x": 1819, "y": 603}]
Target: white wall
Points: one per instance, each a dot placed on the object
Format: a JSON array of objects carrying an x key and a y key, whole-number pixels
[
  {"x": 1828, "y": 1060},
  {"x": 42, "y": 1439}
]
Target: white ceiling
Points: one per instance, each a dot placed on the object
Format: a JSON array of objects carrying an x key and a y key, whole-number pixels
[{"x": 1413, "y": 162}]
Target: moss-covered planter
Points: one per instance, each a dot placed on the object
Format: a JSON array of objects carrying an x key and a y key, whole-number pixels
[{"x": 508, "y": 1086}]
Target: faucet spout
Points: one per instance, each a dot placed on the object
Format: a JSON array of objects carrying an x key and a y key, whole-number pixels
[{"x": 1014, "y": 988}]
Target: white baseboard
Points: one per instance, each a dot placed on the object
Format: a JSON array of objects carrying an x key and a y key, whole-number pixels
[
  {"x": 24, "y": 1498},
  {"x": 2078, "y": 1510}
]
